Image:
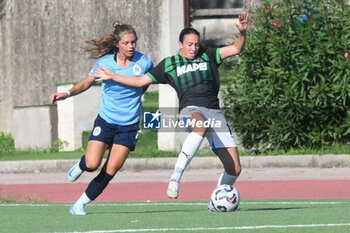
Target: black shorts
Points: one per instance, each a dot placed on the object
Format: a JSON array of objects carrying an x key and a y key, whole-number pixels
[{"x": 114, "y": 134}]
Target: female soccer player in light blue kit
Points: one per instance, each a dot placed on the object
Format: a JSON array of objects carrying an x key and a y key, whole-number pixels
[{"x": 117, "y": 124}]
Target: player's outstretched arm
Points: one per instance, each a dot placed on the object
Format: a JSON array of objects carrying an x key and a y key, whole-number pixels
[
  {"x": 103, "y": 73},
  {"x": 58, "y": 96},
  {"x": 238, "y": 46},
  {"x": 81, "y": 86}
]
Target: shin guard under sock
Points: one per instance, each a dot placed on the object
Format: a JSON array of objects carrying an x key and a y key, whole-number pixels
[
  {"x": 188, "y": 150},
  {"x": 98, "y": 184}
]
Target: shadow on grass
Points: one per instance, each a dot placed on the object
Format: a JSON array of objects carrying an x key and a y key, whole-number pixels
[
  {"x": 143, "y": 212},
  {"x": 274, "y": 209}
]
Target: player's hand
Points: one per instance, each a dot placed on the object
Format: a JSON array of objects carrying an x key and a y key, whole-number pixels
[
  {"x": 102, "y": 73},
  {"x": 242, "y": 24},
  {"x": 58, "y": 96}
]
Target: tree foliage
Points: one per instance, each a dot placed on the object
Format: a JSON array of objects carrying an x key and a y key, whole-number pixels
[{"x": 291, "y": 86}]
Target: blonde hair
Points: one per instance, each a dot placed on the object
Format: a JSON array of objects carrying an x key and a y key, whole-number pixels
[{"x": 99, "y": 48}]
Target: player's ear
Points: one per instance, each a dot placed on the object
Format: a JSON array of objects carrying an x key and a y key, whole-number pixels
[
  {"x": 180, "y": 45},
  {"x": 116, "y": 43}
]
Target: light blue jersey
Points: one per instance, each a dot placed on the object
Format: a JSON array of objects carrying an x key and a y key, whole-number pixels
[{"x": 121, "y": 104}]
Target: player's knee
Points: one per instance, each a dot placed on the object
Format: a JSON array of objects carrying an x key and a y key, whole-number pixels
[
  {"x": 91, "y": 166},
  {"x": 113, "y": 170}
]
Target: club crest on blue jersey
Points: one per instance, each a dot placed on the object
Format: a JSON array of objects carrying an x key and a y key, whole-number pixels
[{"x": 137, "y": 69}]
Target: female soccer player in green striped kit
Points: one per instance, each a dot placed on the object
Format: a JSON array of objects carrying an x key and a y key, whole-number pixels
[{"x": 193, "y": 73}]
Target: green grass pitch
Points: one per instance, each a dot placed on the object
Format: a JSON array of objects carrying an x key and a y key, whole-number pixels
[{"x": 258, "y": 216}]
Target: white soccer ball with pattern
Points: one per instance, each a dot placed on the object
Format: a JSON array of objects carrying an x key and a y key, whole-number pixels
[{"x": 225, "y": 198}]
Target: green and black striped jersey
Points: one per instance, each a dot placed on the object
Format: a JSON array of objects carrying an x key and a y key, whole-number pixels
[{"x": 195, "y": 81}]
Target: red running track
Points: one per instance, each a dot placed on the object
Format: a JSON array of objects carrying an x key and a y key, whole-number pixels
[{"x": 200, "y": 190}]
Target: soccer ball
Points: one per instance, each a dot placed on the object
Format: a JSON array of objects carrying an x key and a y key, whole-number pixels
[{"x": 225, "y": 198}]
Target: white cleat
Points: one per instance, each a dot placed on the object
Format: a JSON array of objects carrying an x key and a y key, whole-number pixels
[
  {"x": 173, "y": 189},
  {"x": 74, "y": 173},
  {"x": 77, "y": 209}
]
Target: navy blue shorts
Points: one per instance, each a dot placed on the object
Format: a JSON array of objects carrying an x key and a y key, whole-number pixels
[{"x": 115, "y": 134}]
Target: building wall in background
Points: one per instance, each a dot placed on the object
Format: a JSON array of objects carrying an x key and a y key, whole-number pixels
[
  {"x": 40, "y": 44},
  {"x": 215, "y": 19}
]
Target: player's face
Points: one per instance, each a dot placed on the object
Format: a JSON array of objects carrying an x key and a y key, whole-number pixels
[
  {"x": 127, "y": 45},
  {"x": 190, "y": 46}
]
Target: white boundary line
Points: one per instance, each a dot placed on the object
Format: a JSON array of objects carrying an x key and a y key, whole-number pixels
[{"x": 214, "y": 228}]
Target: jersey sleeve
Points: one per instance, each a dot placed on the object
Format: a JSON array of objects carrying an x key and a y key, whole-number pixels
[
  {"x": 149, "y": 65},
  {"x": 214, "y": 54},
  {"x": 97, "y": 64},
  {"x": 158, "y": 74}
]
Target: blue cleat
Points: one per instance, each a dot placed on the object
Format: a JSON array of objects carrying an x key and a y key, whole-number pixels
[
  {"x": 74, "y": 173},
  {"x": 77, "y": 209}
]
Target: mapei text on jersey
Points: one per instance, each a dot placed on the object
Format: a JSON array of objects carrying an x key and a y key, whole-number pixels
[{"x": 180, "y": 70}]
